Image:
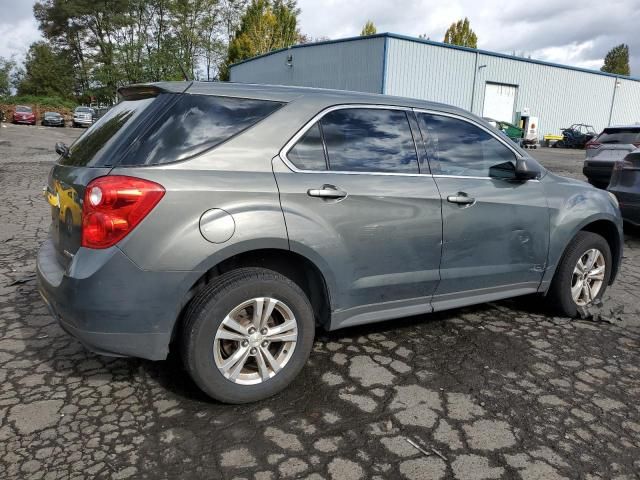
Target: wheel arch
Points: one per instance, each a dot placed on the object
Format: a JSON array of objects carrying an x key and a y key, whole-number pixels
[
  {"x": 603, "y": 225},
  {"x": 295, "y": 266}
]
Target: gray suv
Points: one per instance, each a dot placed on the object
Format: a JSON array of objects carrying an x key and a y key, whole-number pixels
[{"x": 231, "y": 220}]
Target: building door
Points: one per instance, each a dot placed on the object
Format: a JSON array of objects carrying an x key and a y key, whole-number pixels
[{"x": 499, "y": 100}]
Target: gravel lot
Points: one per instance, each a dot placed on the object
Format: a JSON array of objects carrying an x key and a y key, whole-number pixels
[{"x": 494, "y": 391}]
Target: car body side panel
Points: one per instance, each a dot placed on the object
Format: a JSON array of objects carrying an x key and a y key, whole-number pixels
[
  {"x": 382, "y": 242},
  {"x": 497, "y": 244},
  {"x": 572, "y": 206}
]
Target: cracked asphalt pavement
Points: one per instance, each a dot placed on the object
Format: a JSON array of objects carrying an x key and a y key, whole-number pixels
[{"x": 501, "y": 390}]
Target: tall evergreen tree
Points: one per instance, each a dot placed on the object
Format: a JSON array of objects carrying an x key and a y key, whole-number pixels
[
  {"x": 46, "y": 72},
  {"x": 368, "y": 29},
  {"x": 6, "y": 66},
  {"x": 617, "y": 60},
  {"x": 267, "y": 25},
  {"x": 460, "y": 33}
]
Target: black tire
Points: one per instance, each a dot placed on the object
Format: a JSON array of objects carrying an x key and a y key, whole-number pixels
[
  {"x": 560, "y": 290},
  {"x": 206, "y": 312}
]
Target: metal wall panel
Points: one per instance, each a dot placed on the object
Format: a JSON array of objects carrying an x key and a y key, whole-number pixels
[
  {"x": 559, "y": 97},
  {"x": 351, "y": 65},
  {"x": 626, "y": 108},
  {"x": 429, "y": 72}
]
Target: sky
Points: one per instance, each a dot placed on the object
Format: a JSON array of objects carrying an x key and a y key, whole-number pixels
[{"x": 566, "y": 32}]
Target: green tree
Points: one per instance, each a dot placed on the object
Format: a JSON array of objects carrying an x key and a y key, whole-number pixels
[
  {"x": 368, "y": 29},
  {"x": 617, "y": 60},
  {"x": 6, "y": 66},
  {"x": 266, "y": 25},
  {"x": 460, "y": 33},
  {"x": 46, "y": 72}
]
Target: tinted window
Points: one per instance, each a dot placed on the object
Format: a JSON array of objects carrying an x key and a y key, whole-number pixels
[
  {"x": 23, "y": 109},
  {"x": 83, "y": 110},
  {"x": 196, "y": 123},
  {"x": 619, "y": 135},
  {"x": 460, "y": 148},
  {"x": 308, "y": 152},
  {"x": 369, "y": 140},
  {"x": 91, "y": 146}
]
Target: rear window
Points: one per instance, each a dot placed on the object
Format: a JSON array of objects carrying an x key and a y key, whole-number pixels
[
  {"x": 196, "y": 123},
  {"x": 91, "y": 147},
  {"x": 620, "y": 135}
]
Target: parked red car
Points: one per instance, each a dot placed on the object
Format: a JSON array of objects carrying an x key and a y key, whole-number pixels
[{"x": 24, "y": 114}]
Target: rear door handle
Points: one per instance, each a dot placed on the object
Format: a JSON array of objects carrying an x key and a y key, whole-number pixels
[
  {"x": 327, "y": 191},
  {"x": 461, "y": 198}
]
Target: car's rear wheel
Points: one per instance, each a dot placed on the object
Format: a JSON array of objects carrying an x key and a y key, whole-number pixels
[
  {"x": 582, "y": 275},
  {"x": 247, "y": 335}
]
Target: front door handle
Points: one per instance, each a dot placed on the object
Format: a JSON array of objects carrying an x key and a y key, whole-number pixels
[
  {"x": 327, "y": 191},
  {"x": 461, "y": 198}
]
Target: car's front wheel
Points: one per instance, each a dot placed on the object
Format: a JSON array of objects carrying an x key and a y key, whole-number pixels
[
  {"x": 247, "y": 335},
  {"x": 582, "y": 275}
]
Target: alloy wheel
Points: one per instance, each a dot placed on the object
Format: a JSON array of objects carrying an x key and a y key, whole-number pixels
[
  {"x": 255, "y": 341},
  {"x": 588, "y": 276}
]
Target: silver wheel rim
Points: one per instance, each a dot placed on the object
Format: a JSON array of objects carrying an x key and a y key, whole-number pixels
[
  {"x": 255, "y": 341},
  {"x": 588, "y": 276}
]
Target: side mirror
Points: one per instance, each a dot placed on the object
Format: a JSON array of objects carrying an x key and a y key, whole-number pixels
[
  {"x": 524, "y": 171},
  {"x": 62, "y": 149}
]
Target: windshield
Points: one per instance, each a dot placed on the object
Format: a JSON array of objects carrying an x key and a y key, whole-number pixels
[
  {"x": 620, "y": 135},
  {"x": 23, "y": 109},
  {"x": 91, "y": 147},
  {"x": 83, "y": 110}
]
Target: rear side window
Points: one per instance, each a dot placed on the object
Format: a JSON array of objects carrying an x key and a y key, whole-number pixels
[
  {"x": 619, "y": 135},
  {"x": 194, "y": 124},
  {"x": 90, "y": 148},
  {"x": 308, "y": 152},
  {"x": 369, "y": 140},
  {"x": 460, "y": 148}
]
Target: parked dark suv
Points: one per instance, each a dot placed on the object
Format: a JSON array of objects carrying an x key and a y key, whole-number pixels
[{"x": 231, "y": 220}]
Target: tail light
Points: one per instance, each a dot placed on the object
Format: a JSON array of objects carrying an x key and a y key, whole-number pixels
[
  {"x": 592, "y": 145},
  {"x": 623, "y": 165},
  {"x": 113, "y": 206}
]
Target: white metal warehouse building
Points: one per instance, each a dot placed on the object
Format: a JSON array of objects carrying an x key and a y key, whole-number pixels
[{"x": 488, "y": 84}]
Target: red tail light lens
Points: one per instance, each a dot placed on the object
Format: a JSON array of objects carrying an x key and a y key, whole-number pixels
[
  {"x": 113, "y": 206},
  {"x": 592, "y": 145}
]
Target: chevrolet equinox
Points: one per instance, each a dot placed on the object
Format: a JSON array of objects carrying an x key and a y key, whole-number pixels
[{"x": 231, "y": 220}]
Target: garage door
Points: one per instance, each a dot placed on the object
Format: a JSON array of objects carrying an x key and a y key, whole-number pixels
[{"x": 499, "y": 100}]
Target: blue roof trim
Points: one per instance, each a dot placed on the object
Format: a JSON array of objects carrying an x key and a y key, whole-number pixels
[{"x": 440, "y": 44}]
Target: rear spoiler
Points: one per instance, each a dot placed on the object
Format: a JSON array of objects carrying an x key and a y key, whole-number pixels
[{"x": 142, "y": 91}]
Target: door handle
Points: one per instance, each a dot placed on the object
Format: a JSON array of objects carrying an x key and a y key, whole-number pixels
[
  {"x": 461, "y": 198},
  {"x": 327, "y": 191}
]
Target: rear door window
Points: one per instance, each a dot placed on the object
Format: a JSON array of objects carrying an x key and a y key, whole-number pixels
[
  {"x": 308, "y": 152},
  {"x": 459, "y": 148},
  {"x": 619, "y": 136},
  {"x": 196, "y": 123},
  {"x": 369, "y": 140}
]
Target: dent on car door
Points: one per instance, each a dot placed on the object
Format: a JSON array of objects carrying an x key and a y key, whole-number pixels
[
  {"x": 355, "y": 203},
  {"x": 495, "y": 228}
]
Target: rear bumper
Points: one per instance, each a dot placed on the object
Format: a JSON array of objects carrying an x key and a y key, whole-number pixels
[
  {"x": 599, "y": 172},
  {"x": 109, "y": 304}
]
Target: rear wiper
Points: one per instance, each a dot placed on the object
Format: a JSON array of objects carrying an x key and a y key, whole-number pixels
[{"x": 62, "y": 149}]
